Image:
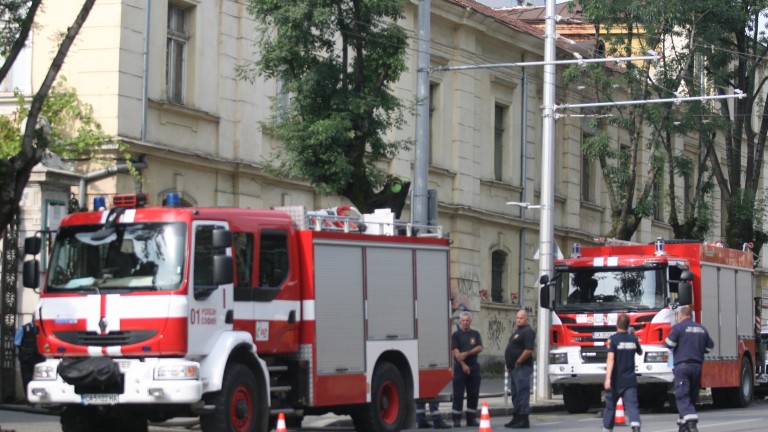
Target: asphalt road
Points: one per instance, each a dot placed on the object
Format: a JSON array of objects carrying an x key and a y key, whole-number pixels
[{"x": 754, "y": 418}]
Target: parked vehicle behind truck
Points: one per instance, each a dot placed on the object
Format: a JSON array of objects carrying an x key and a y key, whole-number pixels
[
  {"x": 237, "y": 315},
  {"x": 649, "y": 282}
]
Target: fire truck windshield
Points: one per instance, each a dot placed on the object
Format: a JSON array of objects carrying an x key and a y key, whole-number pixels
[
  {"x": 134, "y": 257},
  {"x": 611, "y": 290}
]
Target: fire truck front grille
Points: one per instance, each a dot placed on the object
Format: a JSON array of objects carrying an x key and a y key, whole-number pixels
[
  {"x": 109, "y": 339},
  {"x": 594, "y": 355}
]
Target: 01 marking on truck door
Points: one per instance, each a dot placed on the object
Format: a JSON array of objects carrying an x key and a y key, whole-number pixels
[{"x": 202, "y": 316}]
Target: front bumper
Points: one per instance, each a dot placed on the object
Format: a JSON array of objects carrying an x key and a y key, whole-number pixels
[
  {"x": 578, "y": 371},
  {"x": 139, "y": 386}
]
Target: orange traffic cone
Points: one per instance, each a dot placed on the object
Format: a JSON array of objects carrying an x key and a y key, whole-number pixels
[
  {"x": 619, "y": 417},
  {"x": 485, "y": 419},
  {"x": 281, "y": 423}
]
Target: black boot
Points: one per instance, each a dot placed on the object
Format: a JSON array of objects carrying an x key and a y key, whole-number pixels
[
  {"x": 456, "y": 421},
  {"x": 425, "y": 425},
  {"x": 440, "y": 424},
  {"x": 471, "y": 420},
  {"x": 522, "y": 422},
  {"x": 635, "y": 428},
  {"x": 512, "y": 422},
  {"x": 692, "y": 427}
]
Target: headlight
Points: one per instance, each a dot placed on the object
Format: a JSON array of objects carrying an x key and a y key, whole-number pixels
[
  {"x": 179, "y": 371},
  {"x": 44, "y": 372},
  {"x": 656, "y": 356},
  {"x": 558, "y": 358}
]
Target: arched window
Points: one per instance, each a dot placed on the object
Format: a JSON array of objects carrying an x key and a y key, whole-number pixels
[{"x": 498, "y": 275}]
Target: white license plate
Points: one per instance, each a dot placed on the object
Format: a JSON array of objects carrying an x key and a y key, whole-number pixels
[
  {"x": 99, "y": 399},
  {"x": 602, "y": 335}
]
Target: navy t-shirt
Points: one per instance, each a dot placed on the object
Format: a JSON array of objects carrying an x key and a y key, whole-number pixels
[
  {"x": 465, "y": 341},
  {"x": 522, "y": 339},
  {"x": 624, "y": 347}
]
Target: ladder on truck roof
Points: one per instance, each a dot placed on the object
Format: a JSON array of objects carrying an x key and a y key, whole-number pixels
[{"x": 349, "y": 219}]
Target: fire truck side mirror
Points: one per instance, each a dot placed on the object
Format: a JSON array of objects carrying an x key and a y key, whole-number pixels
[
  {"x": 222, "y": 270},
  {"x": 221, "y": 239},
  {"x": 684, "y": 293},
  {"x": 32, "y": 245},
  {"x": 31, "y": 277},
  {"x": 544, "y": 292},
  {"x": 544, "y": 297}
]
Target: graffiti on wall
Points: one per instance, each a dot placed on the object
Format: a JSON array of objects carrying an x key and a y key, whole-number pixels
[
  {"x": 494, "y": 332},
  {"x": 463, "y": 288}
]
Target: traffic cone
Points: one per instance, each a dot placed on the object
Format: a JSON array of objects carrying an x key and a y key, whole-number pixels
[
  {"x": 619, "y": 418},
  {"x": 485, "y": 419},
  {"x": 281, "y": 423}
]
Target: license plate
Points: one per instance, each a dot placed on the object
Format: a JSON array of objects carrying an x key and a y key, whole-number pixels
[
  {"x": 602, "y": 335},
  {"x": 99, "y": 399}
]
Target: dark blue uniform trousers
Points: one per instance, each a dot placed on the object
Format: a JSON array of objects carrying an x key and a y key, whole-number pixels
[
  {"x": 628, "y": 397},
  {"x": 520, "y": 389},
  {"x": 470, "y": 383},
  {"x": 687, "y": 382}
]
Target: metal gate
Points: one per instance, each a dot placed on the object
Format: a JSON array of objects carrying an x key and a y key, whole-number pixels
[{"x": 8, "y": 286}]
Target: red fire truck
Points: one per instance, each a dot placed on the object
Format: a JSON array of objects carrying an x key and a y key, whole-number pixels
[
  {"x": 649, "y": 282},
  {"x": 237, "y": 315}
]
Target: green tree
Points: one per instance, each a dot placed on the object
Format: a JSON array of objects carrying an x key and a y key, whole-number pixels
[
  {"x": 631, "y": 28},
  {"x": 723, "y": 50},
  {"x": 336, "y": 61},
  {"x": 734, "y": 49},
  {"x": 20, "y": 151}
]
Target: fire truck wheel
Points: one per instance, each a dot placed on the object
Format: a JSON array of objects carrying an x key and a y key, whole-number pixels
[
  {"x": 83, "y": 419},
  {"x": 389, "y": 403},
  {"x": 239, "y": 405},
  {"x": 736, "y": 397},
  {"x": 575, "y": 400}
]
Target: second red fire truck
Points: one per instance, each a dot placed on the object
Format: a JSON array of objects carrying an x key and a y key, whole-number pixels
[
  {"x": 649, "y": 282},
  {"x": 237, "y": 315}
]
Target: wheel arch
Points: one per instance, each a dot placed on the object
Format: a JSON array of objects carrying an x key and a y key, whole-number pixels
[
  {"x": 231, "y": 346},
  {"x": 400, "y": 361}
]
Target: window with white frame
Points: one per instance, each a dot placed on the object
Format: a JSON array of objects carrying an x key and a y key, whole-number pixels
[{"x": 176, "y": 56}]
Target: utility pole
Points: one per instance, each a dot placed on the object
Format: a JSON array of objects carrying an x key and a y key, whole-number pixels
[
  {"x": 421, "y": 158},
  {"x": 546, "y": 222}
]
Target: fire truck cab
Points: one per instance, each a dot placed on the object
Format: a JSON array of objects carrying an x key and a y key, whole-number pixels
[
  {"x": 237, "y": 315},
  {"x": 649, "y": 282}
]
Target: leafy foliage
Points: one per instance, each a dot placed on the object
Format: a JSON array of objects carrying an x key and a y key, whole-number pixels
[
  {"x": 630, "y": 28},
  {"x": 336, "y": 61},
  {"x": 74, "y": 131}
]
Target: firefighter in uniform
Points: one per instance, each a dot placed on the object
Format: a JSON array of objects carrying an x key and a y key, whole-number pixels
[
  {"x": 689, "y": 341},
  {"x": 466, "y": 345},
  {"x": 620, "y": 378},
  {"x": 518, "y": 357}
]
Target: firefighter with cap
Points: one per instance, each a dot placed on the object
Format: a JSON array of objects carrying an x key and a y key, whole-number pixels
[
  {"x": 620, "y": 378},
  {"x": 689, "y": 341}
]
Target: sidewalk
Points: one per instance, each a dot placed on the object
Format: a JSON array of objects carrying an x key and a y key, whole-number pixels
[{"x": 492, "y": 392}]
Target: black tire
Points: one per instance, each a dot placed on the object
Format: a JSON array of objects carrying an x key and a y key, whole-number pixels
[
  {"x": 744, "y": 393},
  {"x": 240, "y": 405},
  {"x": 76, "y": 418},
  {"x": 575, "y": 400},
  {"x": 388, "y": 410}
]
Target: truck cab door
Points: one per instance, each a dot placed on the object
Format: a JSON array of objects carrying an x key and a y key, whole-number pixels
[{"x": 210, "y": 304}]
